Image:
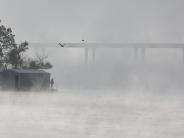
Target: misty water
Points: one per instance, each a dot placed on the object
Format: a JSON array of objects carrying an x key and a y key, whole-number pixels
[{"x": 115, "y": 97}]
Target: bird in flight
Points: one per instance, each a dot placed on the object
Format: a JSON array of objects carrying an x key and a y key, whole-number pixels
[{"x": 61, "y": 45}]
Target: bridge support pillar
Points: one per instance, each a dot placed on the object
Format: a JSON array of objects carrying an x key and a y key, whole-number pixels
[
  {"x": 93, "y": 55},
  {"x": 183, "y": 55},
  {"x": 86, "y": 55},
  {"x": 135, "y": 54},
  {"x": 142, "y": 55}
]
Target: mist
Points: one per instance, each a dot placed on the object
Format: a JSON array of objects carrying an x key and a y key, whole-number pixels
[
  {"x": 91, "y": 113},
  {"x": 94, "y": 21},
  {"x": 114, "y": 68},
  {"x": 116, "y": 96}
]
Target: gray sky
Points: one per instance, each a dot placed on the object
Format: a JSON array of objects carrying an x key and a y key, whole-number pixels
[{"x": 95, "y": 20}]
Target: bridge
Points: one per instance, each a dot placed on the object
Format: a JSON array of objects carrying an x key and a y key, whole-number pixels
[{"x": 134, "y": 46}]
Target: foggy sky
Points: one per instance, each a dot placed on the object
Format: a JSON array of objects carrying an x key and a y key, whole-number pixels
[{"x": 94, "y": 20}]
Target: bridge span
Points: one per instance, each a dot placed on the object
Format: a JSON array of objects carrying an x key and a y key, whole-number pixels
[{"x": 134, "y": 46}]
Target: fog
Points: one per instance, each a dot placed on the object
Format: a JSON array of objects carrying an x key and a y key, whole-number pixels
[
  {"x": 95, "y": 114},
  {"x": 115, "y": 97},
  {"x": 94, "y": 20},
  {"x": 118, "y": 96},
  {"x": 114, "y": 68}
]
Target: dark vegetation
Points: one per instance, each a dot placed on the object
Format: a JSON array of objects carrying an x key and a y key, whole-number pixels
[{"x": 12, "y": 54}]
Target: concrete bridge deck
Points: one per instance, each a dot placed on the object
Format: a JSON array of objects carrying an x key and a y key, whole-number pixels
[
  {"x": 124, "y": 45},
  {"x": 135, "y": 46}
]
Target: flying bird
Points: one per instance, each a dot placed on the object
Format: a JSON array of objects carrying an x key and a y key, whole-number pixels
[{"x": 61, "y": 45}]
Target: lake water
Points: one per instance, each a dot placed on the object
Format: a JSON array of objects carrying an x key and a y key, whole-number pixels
[
  {"x": 91, "y": 114},
  {"x": 112, "y": 99}
]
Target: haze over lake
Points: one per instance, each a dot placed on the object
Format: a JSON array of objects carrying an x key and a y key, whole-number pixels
[
  {"x": 117, "y": 95},
  {"x": 114, "y": 97}
]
